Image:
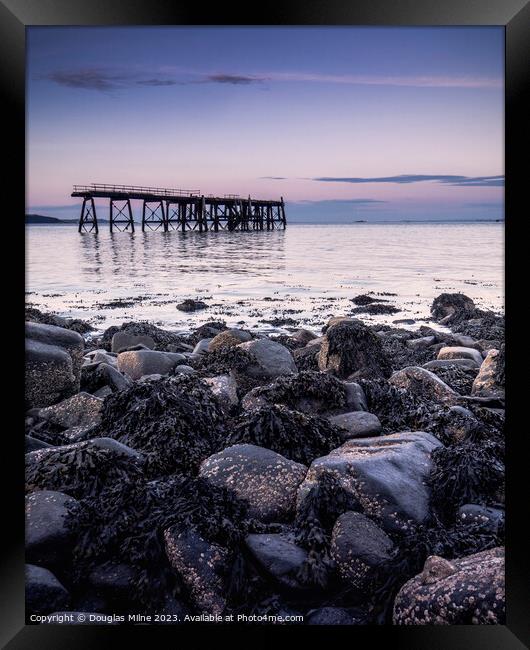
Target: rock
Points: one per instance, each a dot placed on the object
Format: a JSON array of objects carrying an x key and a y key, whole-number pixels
[
  {"x": 103, "y": 392},
  {"x": 330, "y": 616},
  {"x": 448, "y": 363},
  {"x": 124, "y": 339},
  {"x": 148, "y": 362},
  {"x": 191, "y": 305},
  {"x": 351, "y": 350},
  {"x": 48, "y": 539},
  {"x": 113, "y": 582},
  {"x": 358, "y": 424},
  {"x": 272, "y": 359},
  {"x": 32, "y": 444},
  {"x": 359, "y": 548},
  {"x": 97, "y": 376},
  {"x": 279, "y": 555},
  {"x": 385, "y": 475},
  {"x": 224, "y": 387},
  {"x": 465, "y": 591},
  {"x": 304, "y": 336},
  {"x": 421, "y": 343},
  {"x": 49, "y": 374},
  {"x": 200, "y": 565},
  {"x": 44, "y": 593},
  {"x": 465, "y": 341},
  {"x": 267, "y": 481},
  {"x": 455, "y": 352},
  {"x": 202, "y": 346},
  {"x": 423, "y": 382},
  {"x": 448, "y": 307},
  {"x": 101, "y": 357},
  {"x": 228, "y": 339},
  {"x": 487, "y": 382},
  {"x": 81, "y": 410},
  {"x": 355, "y": 396},
  {"x": 489, "y": 519},
  {"x": 185, "y": 370}
]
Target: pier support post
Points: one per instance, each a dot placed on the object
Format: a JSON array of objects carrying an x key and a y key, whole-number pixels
[
  {"x": 115, "y": 212},
  {"x": 155, "y": 217},
  {"x": 284, "y": 220},
  {"x": 88, "y": 221}
]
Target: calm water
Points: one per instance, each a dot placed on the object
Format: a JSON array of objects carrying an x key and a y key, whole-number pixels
[{"x": 306, "y": 273}]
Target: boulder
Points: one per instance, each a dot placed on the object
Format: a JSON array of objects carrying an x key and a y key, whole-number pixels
[
  {"x": 113, "y": 582},
  {"x": 359, "y": 548},
  {"x": 351, "y": 350},
  {"x": 448, "y": 307},
  {"x": 32, "y": 444},
  {"x": 202, "y": 346},
  {"x": 191, "y": 305},
  {"x": 385, "y": 475},
  {"x": 489, "y": 519},
  {"x": 330, "y": 616},
  {"x": 272, "y": 359},
  {"x": 423, "y": 382},
  {"x": 448, "y": 363},
  {"x": 487, "y": 383},
  {"x": 81, "y": 410},
  {"x": 48, "y": 539},
  {"x": 224, "y": 387},
  {"x": 267, "y": 481},
  {"x": 358, "y": 424},
  {"x": 148, "y": 362},
  {"x": 421, "y": 343},
  {"x": 304, "y": 336},
  {"x": 95, "y": 376},
  {"x": 201, "y": 565},
  {"x": 44, "y": 593},
  {"x": 183, "y": 369},
  {"x": 279, "y": 556},
  {"x": 469, "y": 590},
  {"x": 228, "y": 339},
  {"x": 123, "y": 339},
  {"x": 456, "y": 352}
]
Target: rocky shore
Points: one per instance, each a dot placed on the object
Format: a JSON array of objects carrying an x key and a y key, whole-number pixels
[{"x": 351, "y": 478}]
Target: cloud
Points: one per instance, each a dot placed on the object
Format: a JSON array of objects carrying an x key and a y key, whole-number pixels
[
  {"x": 448, "y": 179},
  {"x": 156, "y": 82},
  {"x": 234, "y": 79},
  {"x": 337, "y": 202},
  {"x": 88, "y": 79},
  {"x": 274, "y": 178}
]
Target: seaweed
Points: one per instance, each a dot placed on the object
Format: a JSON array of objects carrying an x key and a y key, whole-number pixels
[
  {"x": 222, "y": 361},
  {"x": 459, "y": 378},
  {"x": 308, "y": 391},
  {"x": 125, "y": 523},
  {"x": 164, "y": 340},
  {"x": 176, "y": 422},
  {"x": 297, "y": 436},
  {"x": 80, "y": 471},
  {"x": 467, "y": 472}
]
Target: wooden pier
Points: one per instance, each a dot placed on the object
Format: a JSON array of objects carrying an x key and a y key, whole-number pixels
[{"x": 171, "y": 209}]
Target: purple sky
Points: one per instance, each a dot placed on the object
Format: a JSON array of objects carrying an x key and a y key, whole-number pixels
[{"x": 345, "y": 123}]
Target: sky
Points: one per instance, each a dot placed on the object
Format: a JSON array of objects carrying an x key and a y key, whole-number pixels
[{"x": 346, "y": 123}]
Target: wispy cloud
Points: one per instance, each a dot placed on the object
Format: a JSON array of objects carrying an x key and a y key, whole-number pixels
[
  {"x": 274, "y": 178},
  {"x": 107, "y": 79},
  {"x": 448, "y": 179},
  {"x": 337, "y": 202}
]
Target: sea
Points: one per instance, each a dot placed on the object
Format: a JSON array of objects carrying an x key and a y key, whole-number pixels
[{"x": 266, "y": 281}]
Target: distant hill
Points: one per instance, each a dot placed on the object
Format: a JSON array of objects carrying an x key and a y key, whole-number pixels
[{"x": 39, "y": 218}]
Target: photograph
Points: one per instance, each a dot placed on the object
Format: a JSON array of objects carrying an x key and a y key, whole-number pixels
[{"x": 265, "y": 325}]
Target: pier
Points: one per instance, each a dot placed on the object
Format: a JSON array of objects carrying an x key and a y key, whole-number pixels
[{"x": 175, "y": 209}]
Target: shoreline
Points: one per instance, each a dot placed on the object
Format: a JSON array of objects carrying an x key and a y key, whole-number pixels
[{"x": 279, "y": 458}]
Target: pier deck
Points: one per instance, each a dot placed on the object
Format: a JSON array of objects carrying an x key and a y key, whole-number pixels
[{"x": 175, "y": 209}]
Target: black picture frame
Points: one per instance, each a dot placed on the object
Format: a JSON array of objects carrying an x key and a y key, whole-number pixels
[{"x": 15, "y": 16}]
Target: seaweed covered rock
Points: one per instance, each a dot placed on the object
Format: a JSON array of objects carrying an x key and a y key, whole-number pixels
[
  {"x": 265, "y": 480},
  {"x": 83, "y": 468},
  {"x": 48, "y": 538},
  {"x": 467, "y": 472},
  {"x": 386, "y": 476},
  {"x": 224, "y": 361},
  {"x": 358, "y": 424},
  {"x": 53, "y": 364},
  {"x": 44, "y": 593},
  {"x": 490, "y": 378},
  {"x": 351, "y": 350},
  {"x": 175, "y": 422},
  {"x": 307, "y": 391},
  {"x": 229, "y": 339},
  {"x": 123, "y": 339},
  {"x": 279, "y": 555},
  {"x": 139, "y": 363},
  {"x": 306, "y": 358},
  {"x": 95, "y": 376},
  {"x": 488, "y": 519},
  {"x": 423, "y": 383},
  {"x": 458, "y": 378},
  {"x": 81, "y": 410},
  {"x": 164, "y": 340},
  {"x": 127, "y": 524},
  {"x": 464, "y": 591},
  {"x": 201, "y": 566},
  {"x": 297, "y": 436},
  {"x": 224, "y": 387},
  {"x": 450, "y": 307},
  {"x": 360, "y": 549},
  {"x": 271, "y": 359}
]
